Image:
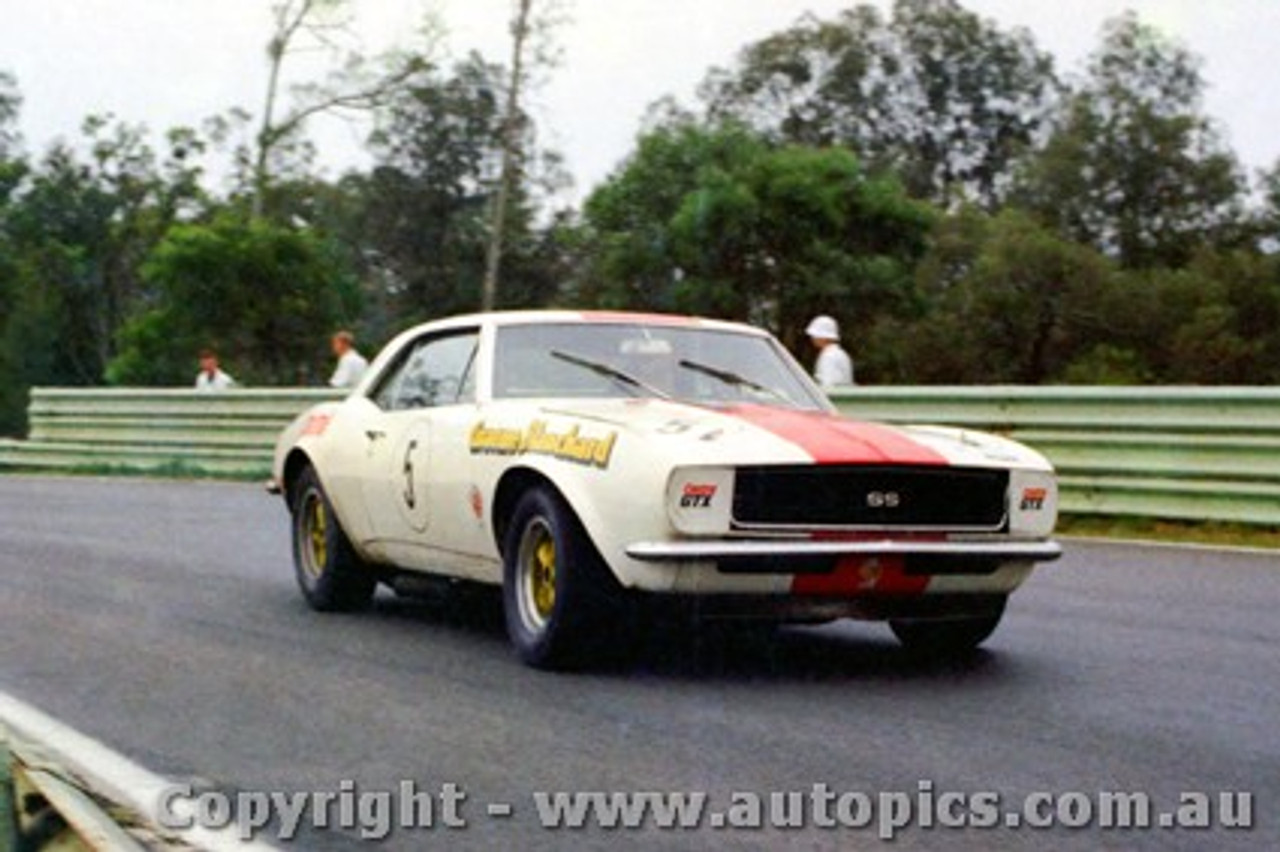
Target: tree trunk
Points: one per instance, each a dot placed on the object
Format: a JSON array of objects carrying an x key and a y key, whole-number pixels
[
  {"x": 265, "y": 132},
  {"x": 510, "y": 157}
]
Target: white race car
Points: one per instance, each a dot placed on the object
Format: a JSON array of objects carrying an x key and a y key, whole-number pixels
[{"x": 589, "y": 463}]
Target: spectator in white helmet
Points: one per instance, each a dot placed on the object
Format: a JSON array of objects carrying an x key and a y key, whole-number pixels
[{"x": 834, "y": 367}]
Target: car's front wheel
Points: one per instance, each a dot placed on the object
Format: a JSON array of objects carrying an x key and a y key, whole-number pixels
[
  {"x": 329, "y": 572},
  {"x": 947, "y": 637},
  {"x": 563, "y": 606}
]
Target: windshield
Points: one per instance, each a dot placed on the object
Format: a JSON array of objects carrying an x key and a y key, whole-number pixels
[{"x": 690, "y": 364}]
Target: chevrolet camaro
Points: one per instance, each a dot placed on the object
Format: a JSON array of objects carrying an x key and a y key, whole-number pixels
[{"x": 591, "y": 464}]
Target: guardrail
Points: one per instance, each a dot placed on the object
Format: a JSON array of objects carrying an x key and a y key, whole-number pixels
[
  {"x": 61, "y": 790},
  {"x": 1180, "y": 453},
  {"x": 1187, "y": 453},
  {"x": 155, "y": 431}
]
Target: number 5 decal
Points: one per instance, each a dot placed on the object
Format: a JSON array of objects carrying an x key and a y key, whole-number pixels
[{"x": 409, "y": 476}]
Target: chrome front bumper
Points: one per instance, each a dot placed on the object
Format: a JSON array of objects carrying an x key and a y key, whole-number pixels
[{"x": 720, "y": 550}]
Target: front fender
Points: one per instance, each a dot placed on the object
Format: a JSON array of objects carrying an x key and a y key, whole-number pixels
[
  {"x": 302, "y": 433},
  {"x": 615, "y": 508},
  {"x": 326, "y": 437}
]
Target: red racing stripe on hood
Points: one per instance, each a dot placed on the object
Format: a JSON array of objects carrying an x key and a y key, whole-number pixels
[{"x": 830, "y": 439}]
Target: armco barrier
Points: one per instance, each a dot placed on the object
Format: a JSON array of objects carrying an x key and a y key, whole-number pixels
[
  {"x": 1183, "y": 453},
  {"x": 61, "y": 791},
  {"x": 157, "y": 431}
]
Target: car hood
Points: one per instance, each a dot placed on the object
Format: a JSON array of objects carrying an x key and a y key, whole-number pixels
[{"x": 746, "y": 434}]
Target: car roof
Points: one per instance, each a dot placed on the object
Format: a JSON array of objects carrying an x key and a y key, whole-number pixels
[{"x": 544, "y": 317}]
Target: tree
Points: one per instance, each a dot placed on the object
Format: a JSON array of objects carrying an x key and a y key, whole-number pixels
[
  {"x": 1269, "y": 218},
  {"x": 10, "y": 103},
  {"x": 1008, "y": 301},
  {"x": 942, "y": 97},
  {"x": 311, "y": 25},
  {"x": 524, "y": 27},
  {"x": 263, "y": 295},
  {"x": 631, "y": 260},
  {"x": 77, "y": 230},
  {"x": 423, "y": 210},
  {"x": 53, "y": 259},
  {"x": 719, "y": 222},
  {"x": 12, "y": 170},
  {"x": 1136, "y": 168},
  {"x": 510, "y": 155},
  {"x": 1231, "y": 332}
]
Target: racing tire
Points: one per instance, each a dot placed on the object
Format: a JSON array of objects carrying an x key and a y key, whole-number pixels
[
  {"x": 330, "y": 574},
  {"x": 946, "y": 637},
  {"x": 564, "y": 608}
]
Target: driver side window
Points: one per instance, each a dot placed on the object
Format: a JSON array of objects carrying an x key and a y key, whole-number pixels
[{"x": 436, "y": 371}]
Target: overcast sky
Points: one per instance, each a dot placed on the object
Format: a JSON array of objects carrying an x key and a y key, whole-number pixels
[{"x": 168, "y": 62}]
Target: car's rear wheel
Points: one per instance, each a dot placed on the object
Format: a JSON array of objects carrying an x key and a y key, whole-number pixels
[
  {"x": 563, "y": 606},
  {"x": 947, "y": 637},
  {"x": 330, "y": 573}
]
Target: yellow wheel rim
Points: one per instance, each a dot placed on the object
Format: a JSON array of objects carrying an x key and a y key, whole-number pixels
[
  {"x": 543, "y": 577},
  {"x": 317, "y": 521},
  {"x": 536, "y": 582}
]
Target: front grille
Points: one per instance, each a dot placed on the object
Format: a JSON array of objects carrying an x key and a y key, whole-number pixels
[{"x": 881, "y": 497}]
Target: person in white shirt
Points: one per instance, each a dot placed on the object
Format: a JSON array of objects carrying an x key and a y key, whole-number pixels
[
  {"x": 834, "y": 366},
  {"x": 351, "y": 364},
  {"x": 211, "y": 378}
]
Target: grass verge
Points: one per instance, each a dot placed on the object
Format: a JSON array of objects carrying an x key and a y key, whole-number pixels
[
  {"x": 1179, "y": 532},
  {"x": 176, "y": 470}
]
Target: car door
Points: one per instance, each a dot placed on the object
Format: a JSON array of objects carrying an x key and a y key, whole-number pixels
[{"x": 410, "y": 473}]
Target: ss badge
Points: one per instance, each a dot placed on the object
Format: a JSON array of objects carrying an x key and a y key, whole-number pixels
[{"x": 884, "y": 500}]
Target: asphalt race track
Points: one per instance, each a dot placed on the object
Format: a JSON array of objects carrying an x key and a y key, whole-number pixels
[{"x": 162, "y": 619}]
